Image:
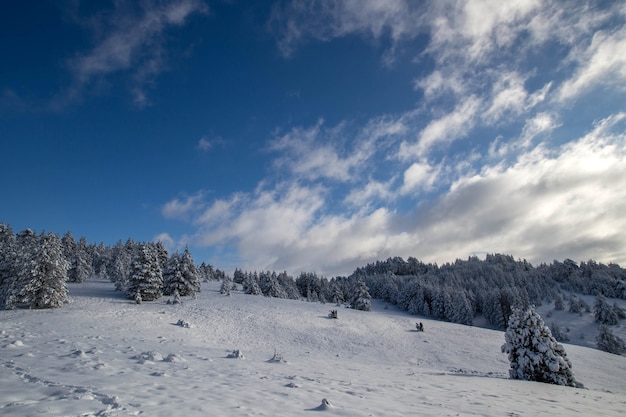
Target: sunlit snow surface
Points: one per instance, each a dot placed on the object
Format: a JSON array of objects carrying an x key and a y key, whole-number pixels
[{"x": 103, "y": 355}]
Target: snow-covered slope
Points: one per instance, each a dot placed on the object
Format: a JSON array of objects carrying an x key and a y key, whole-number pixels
[{"x": 103, "y": 355}]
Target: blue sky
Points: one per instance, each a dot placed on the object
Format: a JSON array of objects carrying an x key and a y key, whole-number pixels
[{"x": 319, "y": 135}]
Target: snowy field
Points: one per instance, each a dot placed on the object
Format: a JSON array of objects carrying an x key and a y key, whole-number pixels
[{"x": 103, "y": 355}]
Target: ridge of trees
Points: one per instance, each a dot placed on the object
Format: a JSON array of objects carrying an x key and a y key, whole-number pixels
[
  {"x": 460, "y": 291},
  {"x": 308, "y": 286},
  {"x": 34, "y": 270}
]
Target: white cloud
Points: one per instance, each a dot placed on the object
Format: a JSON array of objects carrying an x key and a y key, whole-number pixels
[
  {"x": 306, "y": 153},
  {"x": 182, "y": 209},
  {"x": 542, "y": 123},
  {"x": 338, "y": 153},
  {"x": 509, "y": 98},
  {"x": 525, "y": 197},
  {"x": 444, "y": 130},
  {"x": 603, "y": 62},
  {"x": 269, "y": 222},
  {"x": 419, "y": 176},
  {"x": 167, "y": 240},
  {"x": 546, "y": 204},
  {"x": 371, "y": 192}
]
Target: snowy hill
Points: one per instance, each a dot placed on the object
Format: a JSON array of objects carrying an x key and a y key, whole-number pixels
[{"x": 103, "y": 355}]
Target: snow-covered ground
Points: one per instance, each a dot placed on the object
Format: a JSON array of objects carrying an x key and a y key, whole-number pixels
[{"x": 103, "y": 355}]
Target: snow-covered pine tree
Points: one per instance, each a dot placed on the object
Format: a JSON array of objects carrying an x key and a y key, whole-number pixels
[
  {"x": 309, "y": 286},
  {"x": 26, "y": 245},
  {"x": 80, "y": 262},
  {"x": 361, "y": 299},
  {"x": 181, "y": 275},
  {"x": 251, "y": 284},
  {"x": 161, "y": 253},
  {"x": 558, "y": 302},
  {"x": 336, "y": 294},
  {"x": 461, "y": 309},
  {"x": 172, "y": 276},
  {"x": 101, "y": 260},
  {"x": 189, "y": 272},
  {"x": 558, "y": 333},
  {"x": 268, "y": 282},
  {"x": 119, "y": 266},
  {"x": 533, "y": 352},
  {"x": 145, "y": 279},
  {"x": 574, "y": 305},
  {"x": 603, "y": 312},
  {"x": 608, "y": 342},
  {"x": 289, "y": 285},
  {"x": 42, "y": 276},
  {"x": 239, "y": 276},
  {"x": 8, "y": 256},
  {"x": 69, "y": 245},
  {"x": 227, "y": 284}
]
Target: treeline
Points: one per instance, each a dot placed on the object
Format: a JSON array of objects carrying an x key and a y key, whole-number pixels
[
  {"x": 308, "y": 286},
  {"x": 460, "y": 291},
  {"x": 35, "y": 268}
]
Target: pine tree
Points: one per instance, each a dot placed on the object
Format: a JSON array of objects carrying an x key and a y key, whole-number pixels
[
  {"x": 145, "y": 279},
  {"x": 80, "y": 262},
  {"x": 69, "y": 245},
  {"x": 41, "y": 279},
  {"x": 251, "y": 284},
  {"x": 268, "y": 282},
  {"x": 603, "y": 312},
  {"x": 608, "y": 342},
  {"x": 8, "y": 255},
  {"x": 558, "y": 302},
  {"x": 361, "y": 299},
  {"x": 574, "y": 305},
  {"x": 533, "y": 352},
  {"x": 120, "y": 265},
  {"x": 189, "y": 272},
  {"x": 289, "y": 285},
  {"x": 172, "y": 276},
  {"x": 227, "y": 284}
]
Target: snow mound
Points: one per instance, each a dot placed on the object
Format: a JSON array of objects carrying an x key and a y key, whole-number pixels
[
  {"x": 15, "y": 344},
  {"x": 174, "y": 358},
  {"x": 325, "y": 405},
  {"x": 151, "y": 356},
  {"x": 78, "y": 354}
]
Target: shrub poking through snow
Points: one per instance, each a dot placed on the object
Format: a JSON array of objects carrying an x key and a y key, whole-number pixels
[
  {"x": 534, "y": 353},
  {"x": 183, "y": 323},
  {"x": 236, "y": 354},
  {"x": 277, "y": 358}
]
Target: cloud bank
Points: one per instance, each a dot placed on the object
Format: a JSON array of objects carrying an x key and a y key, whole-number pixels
[{"x": 492, "y": 158}]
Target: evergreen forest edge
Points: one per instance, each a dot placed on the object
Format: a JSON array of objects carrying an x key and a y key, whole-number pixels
[{"x": 34, "y": 270}]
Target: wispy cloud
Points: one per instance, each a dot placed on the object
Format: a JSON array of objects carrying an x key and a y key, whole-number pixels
[
  {"x": 338, "y": 153},
  {"x": 206, "y": 143},
  {"x": 131, "y": 40},
  {"x": 444, "y": 130},
  {"x": 298, "y": 22},
  {"x": 183, "y": 208},
  {"x": 603, "y": 63}
]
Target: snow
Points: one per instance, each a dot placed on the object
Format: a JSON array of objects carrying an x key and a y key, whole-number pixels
[{"x": 104, "y": 355}]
